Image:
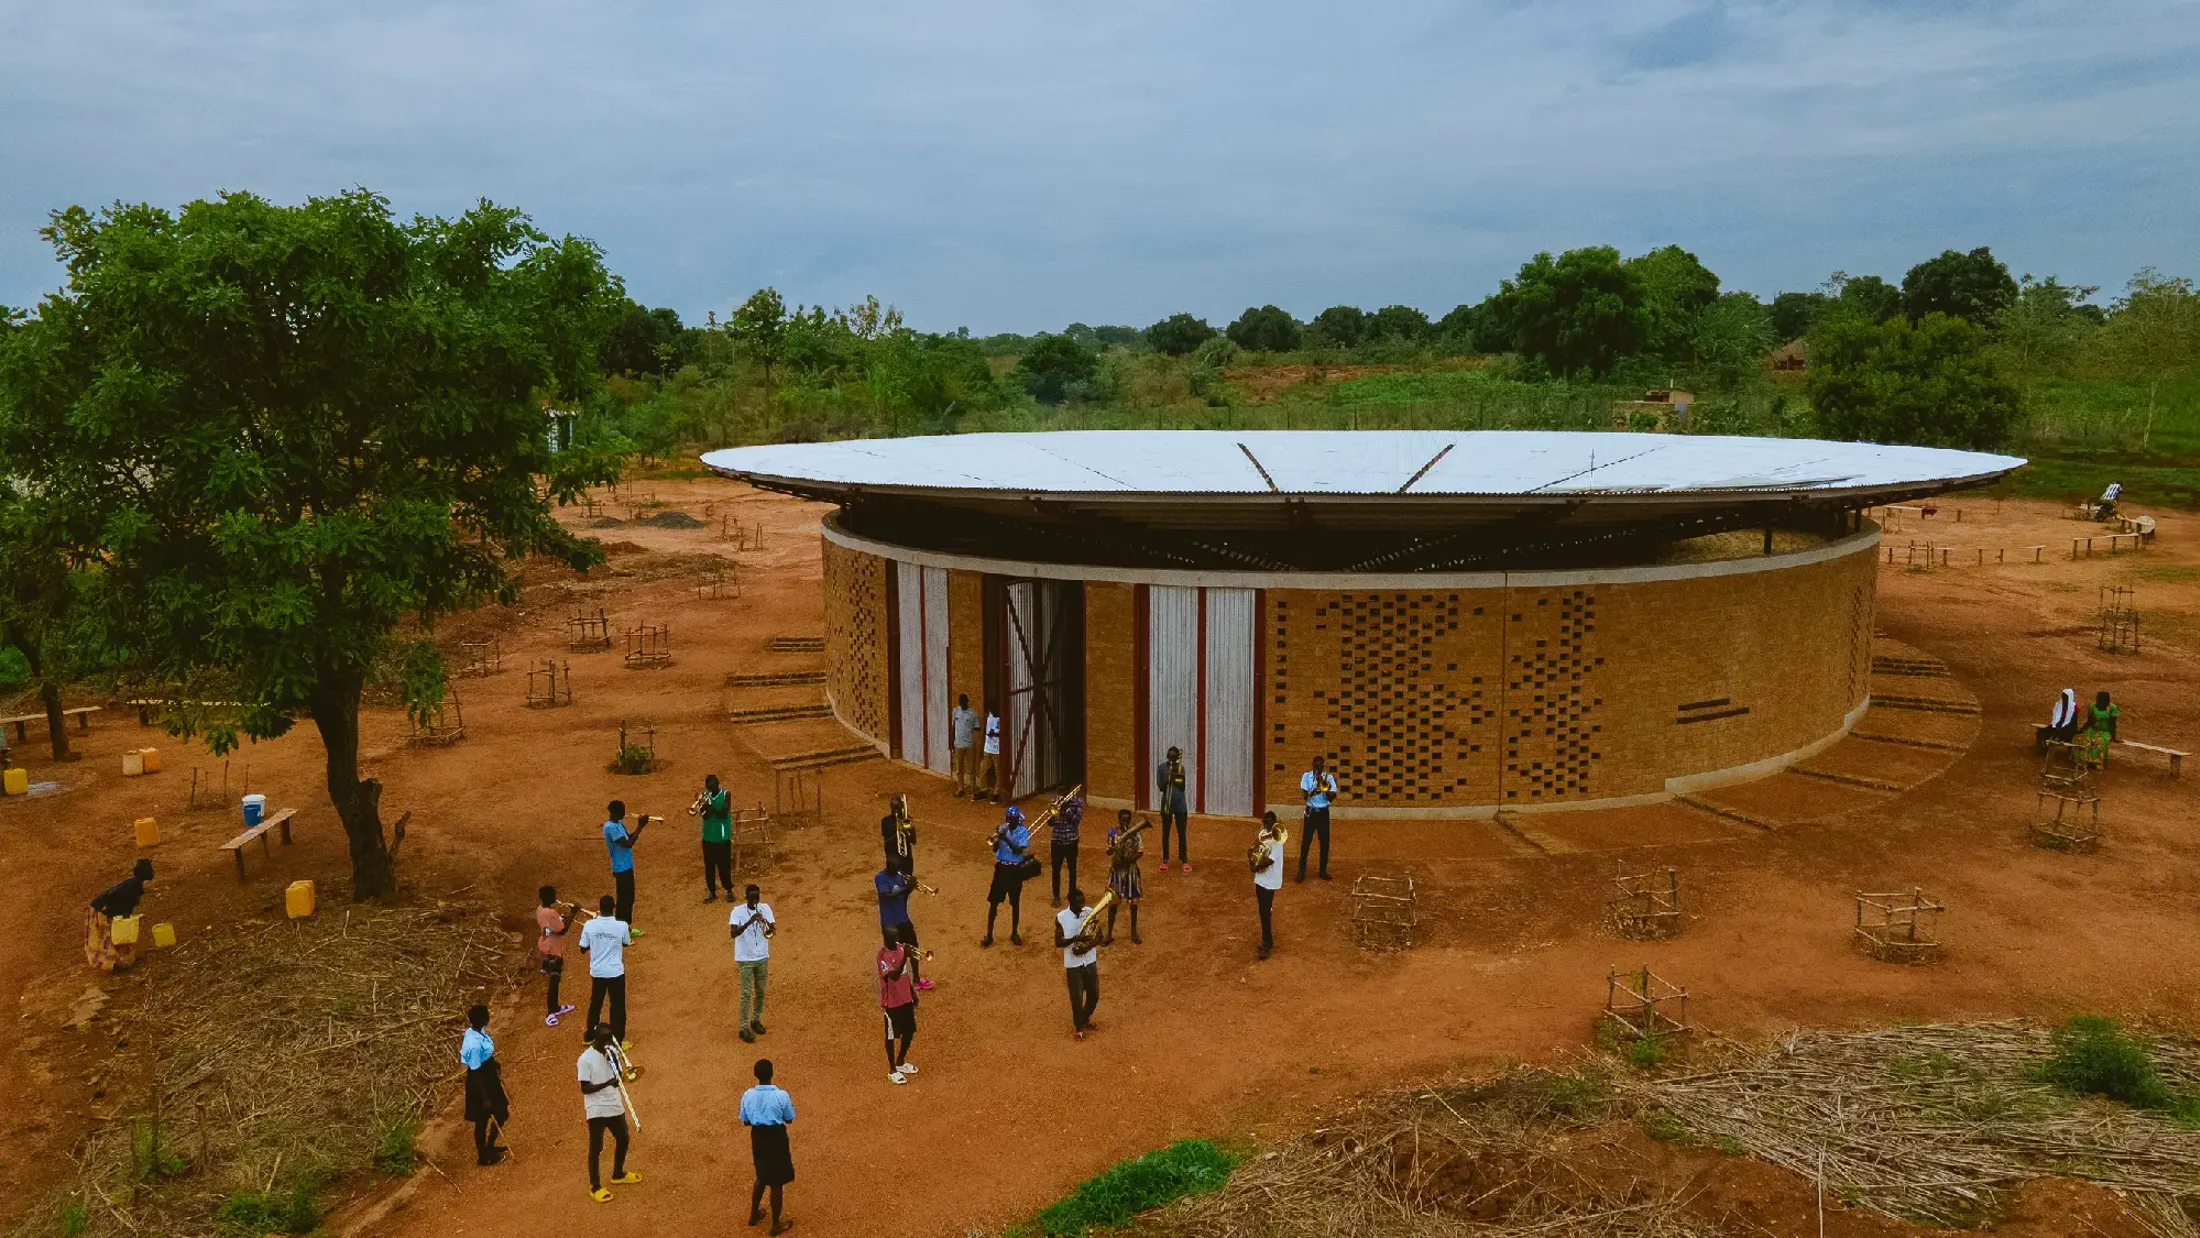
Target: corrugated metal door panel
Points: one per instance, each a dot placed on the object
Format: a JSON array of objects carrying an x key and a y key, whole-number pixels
[
  {"x": 909, "y": 657},
  {"x": 1227, "y": 765},
  {"x": 937, "y": 741},
  {"x": 1019, "y": 729},
  {"x": 1172, "y": 694}
]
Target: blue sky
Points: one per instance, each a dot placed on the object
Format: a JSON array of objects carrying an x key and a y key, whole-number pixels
[{"x": 1018, "y": 166}]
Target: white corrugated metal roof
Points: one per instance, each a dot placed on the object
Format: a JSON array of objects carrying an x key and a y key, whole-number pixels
[{"x": 1495, "y": 463}]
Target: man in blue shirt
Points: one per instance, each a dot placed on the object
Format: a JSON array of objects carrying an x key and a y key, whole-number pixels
[
  {"x": 767, "y": 1110},
  {"x": 1011, "y": 844},
  {"x": 894, "y": 885},
  {"x": 1318, "y": 787},
  {"x": 619, "y": 842}
]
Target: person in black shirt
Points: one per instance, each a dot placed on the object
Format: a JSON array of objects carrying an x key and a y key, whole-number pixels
[
  {"x": 116, "y": 902},
  {"x": 898, "y": 833}
]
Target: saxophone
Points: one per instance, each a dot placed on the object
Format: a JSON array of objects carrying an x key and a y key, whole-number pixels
[{"x": 1253, "y": 853}]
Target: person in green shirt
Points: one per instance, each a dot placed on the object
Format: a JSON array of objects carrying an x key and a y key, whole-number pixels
[
  {"x": 2098, "y": 732},
  {"x": 716, "y": 808}
]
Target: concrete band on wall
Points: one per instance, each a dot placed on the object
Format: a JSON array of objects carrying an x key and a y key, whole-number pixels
[{"x": 1433, "y": 696}]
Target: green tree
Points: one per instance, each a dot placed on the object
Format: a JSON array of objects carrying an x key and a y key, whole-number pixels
[
  {"x": 1339, "y": 326},
  {"x": 1179, "y": 334},
  {"x": 2040, "y": 333},
  {"x": 1052, "y": 363},
  {"x": 37, "y": 579},
  {"x": 1794, "y": 312},
  {"x": 1866, "y": 296},
  {"x": 2153, "y": 335},
  {"x": 1398, "y": 322},
  {"x": 1474, "y": 328},
  {"x": 1930, "y": 382},
  {"x": 1733, "y": 333},
  {"x": 1973, "y": 286},
  {"x": 759, "y": 326},
  {"x": 1580, "y": 311},
  {"x": 1264, "y": 329},
  {"x": 303, "y": 433},
  {"x": 1676, "y": 287}
]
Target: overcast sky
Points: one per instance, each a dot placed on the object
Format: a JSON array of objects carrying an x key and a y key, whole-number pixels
[{"x": 1019, "y": 166}]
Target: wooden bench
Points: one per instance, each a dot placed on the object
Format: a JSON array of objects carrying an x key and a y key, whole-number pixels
[
  {"x": 2176, "y": 758},
  {"x": 279, "y": 822},
  {"x": 21, "y": 722}
]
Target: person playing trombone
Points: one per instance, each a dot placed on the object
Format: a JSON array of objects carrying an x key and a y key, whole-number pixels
[
  {"x": 1011, "y": 854},
  {"x": 603, "y": 1100},
  {"x": 898, "y": 832}
]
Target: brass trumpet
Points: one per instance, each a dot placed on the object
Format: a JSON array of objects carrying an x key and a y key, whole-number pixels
[
  {"x": 927, "y": 889},
  {"x": 697, "y": 806}
]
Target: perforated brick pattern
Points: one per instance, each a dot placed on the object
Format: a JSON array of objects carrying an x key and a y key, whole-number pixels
[
  {"x": 1551, "y": 729},
  {"x": 855, "y": 638}
]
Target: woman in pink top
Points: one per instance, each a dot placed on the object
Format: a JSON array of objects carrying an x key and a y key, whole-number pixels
[{"x": 551, "y": 927}]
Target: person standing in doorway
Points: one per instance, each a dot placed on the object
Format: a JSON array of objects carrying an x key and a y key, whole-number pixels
[
  {"x": 898, "y": 998},
  {"x": 1080, "y": 962},
  {"x": 715, "y": 805},
  {"x": 1063, "y": 845},
  {"x": 605, "y": 1106},
  {"x": 486, "y": 1105},
  {"x": 1267, "y": 865},
  {"x": 962, "y": 732},
  {"x": 1318, "y": 787},
  {"x": 989, "y": 760},
  {"x": 1168, "y": 779},
  {"x": 752, "y": 927},
  {"x": 606, "y": 938},
  {"x": 767, "y": 1111},
  {"x": 553, "y": 929},
  {"x": 619, "y": 842}
]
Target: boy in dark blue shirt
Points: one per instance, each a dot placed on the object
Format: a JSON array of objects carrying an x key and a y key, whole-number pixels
[{"x": 894, "y": 885}]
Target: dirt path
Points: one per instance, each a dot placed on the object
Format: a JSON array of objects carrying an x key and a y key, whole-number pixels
[{"x": 1196, "y": 1037}]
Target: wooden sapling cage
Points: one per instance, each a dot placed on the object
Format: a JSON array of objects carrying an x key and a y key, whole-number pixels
[
  {"x": 1899, "y": 928},
  {"x": 798, "y": 795},
  {"x": 2119, "y": 619},
  {"x": 637, "y": 752},
  {"x": 1647, "y": 905},
  {"x": 1386, "y": 912},
  {"x": 718, "y": 581},
  {"x": 1645, "y": 1004},
  {"x": 440, "y": 724},
  {"x": 588, "y": 633},
  {"x": 549, "y": 684},
  {"x": 648, "y": 645},
  {"x": 2073, "y": 825},
  {"x": 752, "y": 840},
  {"x": 481, "y": 657}
]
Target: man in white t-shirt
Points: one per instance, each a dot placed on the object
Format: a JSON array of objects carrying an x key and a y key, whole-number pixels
[
  {"x": 605, "y": 938},
  {"x": 1080, "y": 963},
  {"x": 605, "y": 1107},
  {"x": 1268, "y": 878},
  {"x": 752, "y": 927},
  {"x": 989, "y": 764}
]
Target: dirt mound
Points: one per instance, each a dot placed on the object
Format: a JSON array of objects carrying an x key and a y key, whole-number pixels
[{"x": 670, "y": 520}]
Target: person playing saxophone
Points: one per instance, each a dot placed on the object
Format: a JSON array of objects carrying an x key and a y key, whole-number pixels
[
  {"x": 1125, "y": 850},
  {"x": 1266, "y": 860},
  {"x": 1079, "y": 942}
]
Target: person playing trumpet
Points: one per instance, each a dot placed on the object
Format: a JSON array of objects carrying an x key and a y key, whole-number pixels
[
  {"x": 1079, "y": 940},
  {"x": 553, "y": 929},
  {"x": 1125, "y": 850},
  {"x": 715, "y": 806},
  {"x": 1011, "y": 850},
  {"x": 1265, "y": 858},
  {"x": 894, "y": 885}
]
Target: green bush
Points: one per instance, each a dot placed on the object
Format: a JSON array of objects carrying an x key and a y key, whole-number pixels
[
  {"x": 251, "y": 1213},
  {"x": 1186, "y": 1167},
  {"x": 2094, "y": 1056},
  {"x": 15, "y": 672},
  {"x": 1646, "y": 1053},
  {"x": 398, "y": 1151}
]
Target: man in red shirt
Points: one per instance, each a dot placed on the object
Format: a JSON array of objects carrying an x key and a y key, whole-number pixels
[{"x": 898, "y": 997}]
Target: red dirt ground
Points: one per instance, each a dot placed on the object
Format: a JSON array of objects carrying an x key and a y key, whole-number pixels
[{"x": 1197, "y": 1038}]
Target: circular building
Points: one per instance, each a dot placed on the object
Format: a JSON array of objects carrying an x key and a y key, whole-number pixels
[{"x": 1461, "y": 622}]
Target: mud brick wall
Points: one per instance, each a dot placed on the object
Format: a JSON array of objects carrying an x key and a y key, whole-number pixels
[
  {"x": 966, "y": 637},
  {"x": 1546, "y": 691},
  {"x": 1111, "y": 697},
  {"x": 857, "y": 629}
]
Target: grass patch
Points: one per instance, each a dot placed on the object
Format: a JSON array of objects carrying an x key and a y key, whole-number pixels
[
  {"x": 1186, "y": 1167},
  {"x": 397, "y": 1153},
  {"x": 249, "y": 1214},
  {"x": 2095, "y": 1056},
  {"x": 2149, "y": 480}
]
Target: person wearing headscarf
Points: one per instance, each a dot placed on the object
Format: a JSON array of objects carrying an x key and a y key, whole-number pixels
[
  {"x": 2062, "y": 721},
  {"x": 2098, "y": 731},
  {"x": 116, "y": 902}
]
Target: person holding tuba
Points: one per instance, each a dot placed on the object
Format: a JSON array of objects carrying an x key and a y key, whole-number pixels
[
  {"x": 1078, "y": 937},
  {"x": 1011, "y": 860},
  {"x": 715, "y": 805},
  {"x": 1265, "y": 858},
  {"x": 1125, "y": 850}
]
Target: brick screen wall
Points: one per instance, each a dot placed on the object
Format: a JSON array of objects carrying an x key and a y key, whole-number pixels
[
  {"x": 856, "y": 633},
  {"x": 1111, "y": 740}
]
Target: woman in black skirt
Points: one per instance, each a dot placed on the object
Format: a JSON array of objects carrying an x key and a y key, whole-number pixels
[
  {"x": 485, "y": 1100},
  {"x": 766, "y": 1110}
]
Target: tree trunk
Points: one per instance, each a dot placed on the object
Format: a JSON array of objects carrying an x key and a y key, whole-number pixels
[
  {"x": 358, "y": 803},
  {"x": 49, "y": 695}
]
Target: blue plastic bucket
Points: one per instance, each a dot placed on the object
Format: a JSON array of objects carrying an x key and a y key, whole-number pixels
[{"x": 255, "y": 807}]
